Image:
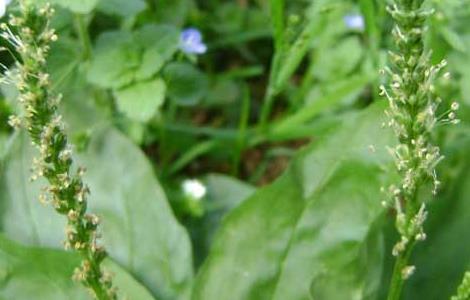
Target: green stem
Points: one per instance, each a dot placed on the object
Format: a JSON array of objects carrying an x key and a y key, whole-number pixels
[
  {"x": 397, "y": 281},
  {"x": 410, "y": 68},
  {"x": 277, "y": 20},
  {"x": 269, "y": 96},
  {"x": 67, "y": 191},
  {"x": 241, "y": 138},
  {"x": 100, "y": 293},
  {"x": 82, "y": 32}
]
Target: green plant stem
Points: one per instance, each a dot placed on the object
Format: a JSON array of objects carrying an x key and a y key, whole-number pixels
[
  {"x": 66, "y": 190},
  {"x": 241, "y": 138},
  {"x": 99, "y": 292},
  {"x": 397, "y": 281},
  {"x": 412, "y": 107},
  {"x": 270, "y": 94},
  {"x": 84, "y": 37},
  {"x": 277, "y": 22}
]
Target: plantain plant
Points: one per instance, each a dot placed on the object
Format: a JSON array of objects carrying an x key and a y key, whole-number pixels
[
  {"x": 30, "y": 35},
  {"x": 413, "y": 116},
  {"x": 312, "y": 234}
]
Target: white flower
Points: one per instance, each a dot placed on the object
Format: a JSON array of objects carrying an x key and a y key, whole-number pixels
[
  {"x": 194, "y": 189},
  {"x": 3, "y": 7}
]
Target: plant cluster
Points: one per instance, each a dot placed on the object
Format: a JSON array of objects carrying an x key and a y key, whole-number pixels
[
  {"x": 412, "y": 112},
  {"x": 234, "y": 149},
  {"x": 30, "y": 35}
]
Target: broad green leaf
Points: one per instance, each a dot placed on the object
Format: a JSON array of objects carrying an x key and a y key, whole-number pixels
[
  {"x": 224, "y": 193},
  {"x": 152, "y": 62},
  {"x": 123, "y": 8},
  {"x": 453, "y": 39},
  {"x": 186, "y": 84},
  {"x": 139, "y": 229},
  {"x": 336, "y": 62},
  {"x": 45, "y": 274},
  {"x": 63, "y": 60},
  {"x": 3, "y": 142},
  {"x": 141, "y": 101},
  {"x": 81, "y": 6},
  {"x": 173, "y": 12},
  {"x": 162, "y": 38},
  {"x": 78, "y": 105},
  {"x": 116, "y": 58},
  {"x": 309, "y": 235}
]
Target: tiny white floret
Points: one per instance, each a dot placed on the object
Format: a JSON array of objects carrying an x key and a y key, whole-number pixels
[{"x": 194, "y": 188}]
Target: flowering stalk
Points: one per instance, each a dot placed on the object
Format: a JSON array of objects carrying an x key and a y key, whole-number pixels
[
  {"x": 463, "y": 292},
  {"x": 31, "y": 36},
  {"x": 412, "y": 116}
]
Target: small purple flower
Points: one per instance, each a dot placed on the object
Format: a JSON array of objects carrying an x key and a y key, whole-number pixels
[
  {"x": 355, "y": 22},
  {"x": 191, "y": 41}
]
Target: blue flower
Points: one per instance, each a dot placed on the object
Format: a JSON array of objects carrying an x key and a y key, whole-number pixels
[
  {"x": 355, "y": 22},
  {"x": 191, "y": 41}
]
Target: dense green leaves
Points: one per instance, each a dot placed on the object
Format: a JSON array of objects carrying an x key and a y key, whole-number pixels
[
  {"x": 287, "y": 61},
  {"x": 122, "y": 57},
  {"x": 312, "y": 225},
  {"x": 315, "y": 233},
  {"x": 139, "y": 228},
  {"x": 35, "y": 273},
  {"x": 128, "y": 63}
]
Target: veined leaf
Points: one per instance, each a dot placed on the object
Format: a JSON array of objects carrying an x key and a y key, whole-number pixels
[
  {"x": 122, "y": 57},
  {"x": 310, "y": 235},
  {"x": 139, "y": 229},
  {"x": 141, "y": 101},
  {"x": 46, "y": 274},
  {"x": 115, "y": 60}
]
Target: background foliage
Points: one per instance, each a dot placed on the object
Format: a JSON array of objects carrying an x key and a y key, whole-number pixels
[{"x": 280, "y": 120}]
